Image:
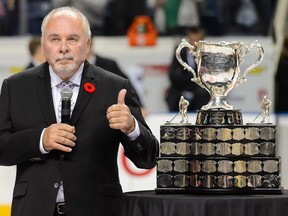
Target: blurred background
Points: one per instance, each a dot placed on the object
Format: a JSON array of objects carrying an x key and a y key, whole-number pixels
[
  {"x": 147, "y": 65},
  {"x": 113, "y": 17}
]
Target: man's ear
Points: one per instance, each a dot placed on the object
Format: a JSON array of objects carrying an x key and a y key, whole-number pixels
[{"x": 89, "y": 46}]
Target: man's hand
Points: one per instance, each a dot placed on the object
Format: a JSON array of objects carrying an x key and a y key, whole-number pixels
[
  {"x": 59, "y": 137},
  {"x": 119, "y": 115}
]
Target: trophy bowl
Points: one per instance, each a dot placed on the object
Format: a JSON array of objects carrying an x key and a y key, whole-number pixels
[{"x": 218, "y": 68}]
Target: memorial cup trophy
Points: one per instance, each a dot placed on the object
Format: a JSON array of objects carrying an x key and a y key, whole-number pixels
[
  {"x": 218, "y": 154},
  {"x": 218, "y": 72}
]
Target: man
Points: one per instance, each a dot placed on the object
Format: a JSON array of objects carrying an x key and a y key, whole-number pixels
[
  {"x": 37, "y": 56},
  {"x": 180, "y": 79},
  {"x": 105, "y": 63},
  {"x": 72, "y": 169},
  {"x": 281, "y": 76}
]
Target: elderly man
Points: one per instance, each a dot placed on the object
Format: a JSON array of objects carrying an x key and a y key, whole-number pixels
[{"x": 70, "y": 169}]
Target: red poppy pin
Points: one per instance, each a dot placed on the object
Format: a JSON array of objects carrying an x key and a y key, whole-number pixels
[{"x": 89, "y": 87}]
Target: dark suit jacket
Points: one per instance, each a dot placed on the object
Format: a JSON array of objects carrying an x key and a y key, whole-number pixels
[
  {"x": 89, "y": 172},
  {"x": 180, "y": 81},
  {"x": 281, "y": 87},
  {"x": 30, "y": 65},
  {"x": 109, "y": 65},
  {"x": 112, "y": 66}
]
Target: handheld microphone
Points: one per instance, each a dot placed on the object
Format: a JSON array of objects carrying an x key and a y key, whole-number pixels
[{"x": 66, "y": 95}]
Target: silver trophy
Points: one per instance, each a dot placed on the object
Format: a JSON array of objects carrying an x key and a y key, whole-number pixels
[{"x": 218, "y": 68}]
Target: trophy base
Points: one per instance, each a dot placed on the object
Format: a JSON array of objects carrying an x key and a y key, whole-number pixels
[
  {"x": 227, "y": 191},
  {"x": 219, "y": 117},
  {"x": 258, "y": 124}
]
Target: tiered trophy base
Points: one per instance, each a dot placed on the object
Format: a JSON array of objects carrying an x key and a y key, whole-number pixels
[
  {"x": 227, "y": 191},
  {"x": 219, "y": 175},
  {"x": 218, "y": 159}
]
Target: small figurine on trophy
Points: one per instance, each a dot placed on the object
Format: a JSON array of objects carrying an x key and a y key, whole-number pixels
[
  {"x": 183, "y": 107},
  {"x": 265, "y": 110}
]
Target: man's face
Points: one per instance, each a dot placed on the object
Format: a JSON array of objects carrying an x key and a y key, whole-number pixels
[
  {"x": 65, "y": 44},
  {"x": 194, "y": 37}
]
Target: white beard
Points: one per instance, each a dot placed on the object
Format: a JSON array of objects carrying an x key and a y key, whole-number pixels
[{"x": 65, "y": 69}]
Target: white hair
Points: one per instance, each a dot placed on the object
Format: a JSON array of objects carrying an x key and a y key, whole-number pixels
[{"x": 70, "y": 10}]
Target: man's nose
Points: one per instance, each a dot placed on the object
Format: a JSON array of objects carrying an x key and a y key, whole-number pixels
[{"x": 64, "y": 47}]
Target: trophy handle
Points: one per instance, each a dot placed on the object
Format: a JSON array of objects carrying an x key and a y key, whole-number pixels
[
  {"x": 255, "y": 44},
  {"x": 183, "y": 44}
]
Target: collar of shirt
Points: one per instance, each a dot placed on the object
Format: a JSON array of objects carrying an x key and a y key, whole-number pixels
[{"x": 55, "y": 80}]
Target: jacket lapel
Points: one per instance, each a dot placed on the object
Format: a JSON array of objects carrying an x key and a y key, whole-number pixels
[
  {"x": 43, "y": 88},
  {"x": 83, "y": 96}
]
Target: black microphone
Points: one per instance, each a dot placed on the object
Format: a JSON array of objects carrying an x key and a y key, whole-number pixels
[{"x": 66, "y": 95}]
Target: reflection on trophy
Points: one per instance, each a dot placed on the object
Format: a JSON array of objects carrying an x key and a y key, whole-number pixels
[{"x": 218, "y": 72}]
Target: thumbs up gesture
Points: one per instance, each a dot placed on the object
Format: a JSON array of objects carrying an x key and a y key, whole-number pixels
[{"x": 119, "y": 115}]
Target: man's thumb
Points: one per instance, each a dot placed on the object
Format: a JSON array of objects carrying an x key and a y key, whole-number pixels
[{"x": 121, "y": 96}]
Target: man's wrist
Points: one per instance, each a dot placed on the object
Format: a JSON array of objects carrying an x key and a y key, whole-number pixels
[
  {"x": 134, "y": 133},
  {"x": 132, "y": 128},
  {"x": 41, "y": 146}
]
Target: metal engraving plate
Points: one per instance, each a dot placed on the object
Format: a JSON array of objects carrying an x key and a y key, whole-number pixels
[
  {"x": 267, "y": 148},
  {"x": 225, "y": 166},
  {"x": 181, "y": 166},
  {"x": 240, "y": 181},
  {"x": 198, "y": 133},
  {"x": 209, "y": 134},
  {"x": 195, "y": 180},
  {"x": 209, "y": 181},
  {"x": 181, "y": 180},
  {"x": 195, "y": 166},
  {"x": 271, "y": 181},
  {"x": 238, "y": 134},
  {"x": 252, "y": 133},
  {"x": 195, "y": 148},
  {"x": 167, "y": 133},
  {"x": 164, "y": 180},
  {"x": 224, "y": 134},
  {"x": 240, "y": 166},
  {"x": 237, "y": 149},
  {"x": 208, "y": 149},
  {"x": 251, "y": 148},
  {"x": 225, "y": 181},
  {"x": 183, "y": 133},
  {"x": 254, "y": 166},
  {"x": 223, "y": 148},
  {"x": 267, "y": 133},
  {"x": 167, "y": 148},
  {"x": 270, "y": 166},
  {"x": 209, "y": 166},
  {"x": 183, "y": 148},
  {"x": 254, "y": 181},
  {"x": 164, "y": 166}
]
